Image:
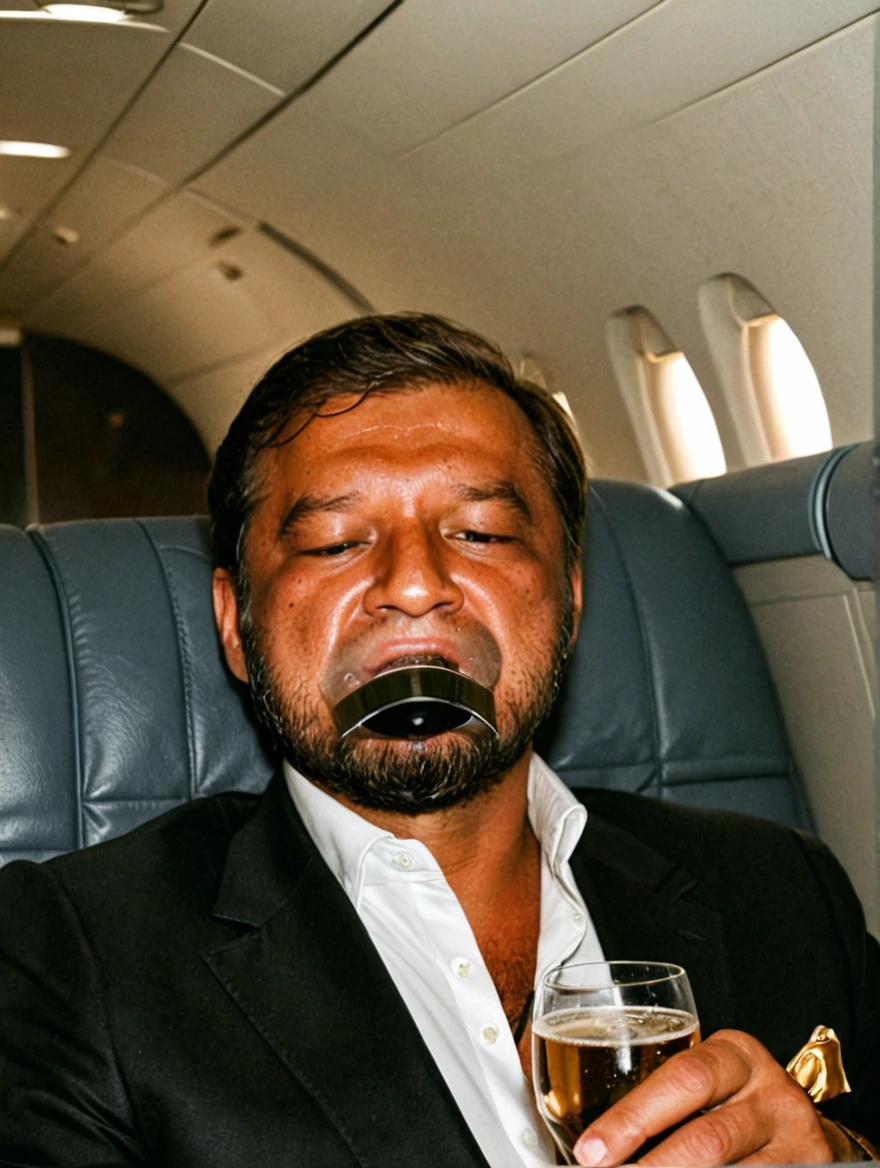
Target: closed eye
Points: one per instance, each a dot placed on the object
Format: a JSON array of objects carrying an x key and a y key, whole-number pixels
[
  {"x": 483, "y": 537},
  {"x": 332, "y": 549}
]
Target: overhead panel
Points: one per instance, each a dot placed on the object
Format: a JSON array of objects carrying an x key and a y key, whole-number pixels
[
  {"x": 384, "y": 99},
  {"x": 176, "y": 234},
  {"x": 431, "y": 66},
  {"x": 285, "y": 43},
  {"x": 428, "y": 66},
  {"x": 243, "y": 296},
  {"x": 191, "y": 109},
  {"x": 26, "y": 185},
  {"x": 99, "y": 204},
  {"x": 65, "y": 83},
  {"x": 677, "y": 55}
]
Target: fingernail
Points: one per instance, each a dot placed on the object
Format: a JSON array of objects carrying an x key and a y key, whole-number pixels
[{"x": 590, "y": 1151}]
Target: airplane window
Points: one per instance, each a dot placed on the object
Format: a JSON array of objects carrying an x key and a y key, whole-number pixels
[
  {"x": 774, "y": 395},
  {"x": 787, "y": 388},
  {"x": 668, "y": 408},
  {"x": 684, "y": 417}
]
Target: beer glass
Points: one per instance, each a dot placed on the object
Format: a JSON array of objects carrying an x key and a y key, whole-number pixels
[{"x": 598, "y": 1029}]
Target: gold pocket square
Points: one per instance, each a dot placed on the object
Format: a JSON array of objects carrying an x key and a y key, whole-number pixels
[{"x": 818, "y": 1066}]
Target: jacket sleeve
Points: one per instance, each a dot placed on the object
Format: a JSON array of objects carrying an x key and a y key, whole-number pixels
[
  {"x": 62, "y": 1097},
  {"x": 861, "y": 1053}
]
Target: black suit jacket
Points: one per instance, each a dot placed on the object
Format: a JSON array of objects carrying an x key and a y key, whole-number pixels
[{"x": 202, "y": 992}]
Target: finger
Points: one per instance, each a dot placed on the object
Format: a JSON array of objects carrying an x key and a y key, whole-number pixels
[
  {"x": 687, "y": 1083},
  {"x": 724, "y": 1136}
]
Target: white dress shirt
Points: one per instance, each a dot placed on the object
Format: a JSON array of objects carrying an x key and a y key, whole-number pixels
[{"x": 422, "y": 934}]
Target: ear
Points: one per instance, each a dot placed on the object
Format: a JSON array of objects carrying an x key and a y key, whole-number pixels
[
  {"x": 226, "y": 616},
  {"x": 577, "y": 601}
]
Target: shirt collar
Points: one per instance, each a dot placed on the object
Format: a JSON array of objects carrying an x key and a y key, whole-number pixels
[
  {"x": 557, "y": 816},
  {"x": 341, "y": 836},
  {"x": 344, "y": 838}
]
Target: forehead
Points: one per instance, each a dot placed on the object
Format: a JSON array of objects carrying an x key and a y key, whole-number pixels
[{"x": 472, "y": 427}]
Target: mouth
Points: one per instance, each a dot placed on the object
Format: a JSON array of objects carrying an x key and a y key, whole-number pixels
[
  {"x": 403, "y": 654},
  {"x": 403, "y": 660}
]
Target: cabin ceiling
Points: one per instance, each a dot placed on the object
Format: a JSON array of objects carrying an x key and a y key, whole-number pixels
[{"x": 243, "y": 172}]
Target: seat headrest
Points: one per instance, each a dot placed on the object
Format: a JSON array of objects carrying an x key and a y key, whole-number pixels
[
  {"x": 116, "y": 704},
  {"x": 668, "y": 692}
]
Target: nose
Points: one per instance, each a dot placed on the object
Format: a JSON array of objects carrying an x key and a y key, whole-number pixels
[{"x": 412, "y": 576}]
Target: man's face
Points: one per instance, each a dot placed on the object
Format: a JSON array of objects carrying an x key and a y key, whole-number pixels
[{"x": 416, "y": 528}]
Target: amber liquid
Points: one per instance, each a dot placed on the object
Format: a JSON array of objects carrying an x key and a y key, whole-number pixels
[{"x": 586, "y": 1059}]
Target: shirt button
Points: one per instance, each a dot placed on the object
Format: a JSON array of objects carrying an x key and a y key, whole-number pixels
[
  {"x": 489, "y": 1034},
  {"x": 528, "y": 1138},
  {"x": 460, "y": 966},
  {"x": 404, "y": 861},
  {"x": 578, "y": 918}
]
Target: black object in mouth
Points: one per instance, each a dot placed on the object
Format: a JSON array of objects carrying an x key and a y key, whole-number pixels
[{"x": 417, "y": 702}]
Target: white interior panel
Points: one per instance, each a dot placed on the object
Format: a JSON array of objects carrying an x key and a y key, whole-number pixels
[
  {"x": 11, "y": 231},
  {"x": 198, "y": 316},
  {"x": 677, "y": 54},
  {"x": 175, "y": 234},
  {"x": 64, "y": 82},
  {"x": 101, "y": 202},
  {"x": 442, "y": 63},
  {"x": 816, "y": 630},
  {"x": 214, "y": 396},
  {"x": 285, "y": 43},
  {"x": 208, "y": 102},
  {"x": 27, "y": 184},
  {"x": 655, "y": 66}
]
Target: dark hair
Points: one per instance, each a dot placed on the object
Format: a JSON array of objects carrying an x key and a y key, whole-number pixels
[{"x": 382, "y": 354}]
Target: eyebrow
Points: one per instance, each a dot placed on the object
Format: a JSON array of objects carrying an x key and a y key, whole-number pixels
[
  {"x": 499, "y": 490},
  {"x": 309, "y": 504}
]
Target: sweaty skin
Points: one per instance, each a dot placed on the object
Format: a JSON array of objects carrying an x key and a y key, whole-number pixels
[{"x": 421, "y": 522}]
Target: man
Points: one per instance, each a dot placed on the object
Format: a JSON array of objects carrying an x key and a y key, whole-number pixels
[{"x": 340, "y": 972}]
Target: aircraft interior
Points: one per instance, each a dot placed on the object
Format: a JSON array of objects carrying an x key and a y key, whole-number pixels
[{"x": 663, "y": 210}]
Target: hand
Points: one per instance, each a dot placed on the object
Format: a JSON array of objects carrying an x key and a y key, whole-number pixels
[{"x": 735, "y": 1103}]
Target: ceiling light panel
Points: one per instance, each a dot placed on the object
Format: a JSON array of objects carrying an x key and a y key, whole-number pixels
[
  {"x": 33, "y": 150},
  {"x": 88, "y": 13}
]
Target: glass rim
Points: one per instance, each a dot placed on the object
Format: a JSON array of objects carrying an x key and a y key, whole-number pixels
[{"x": 672, "y": 972}]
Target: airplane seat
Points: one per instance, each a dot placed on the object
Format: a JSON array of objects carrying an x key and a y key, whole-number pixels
[
  {"x": 668, "y": 693},
  {"x": 116, "y": 704}
]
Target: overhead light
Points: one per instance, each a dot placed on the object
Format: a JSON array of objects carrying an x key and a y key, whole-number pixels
[
  {"x": 101, "y": 10},
  {"x": 66, "y": 236},
  {"x": 33, "y": 150},
  {"x": 90, "y": 13}
]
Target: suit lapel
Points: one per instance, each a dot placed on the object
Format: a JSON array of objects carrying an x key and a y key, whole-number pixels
[
  {"x": 646, "y": 908},
  {"x": 312, "y": 983}
]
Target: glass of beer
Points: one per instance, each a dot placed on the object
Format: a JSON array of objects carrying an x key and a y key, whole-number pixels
[{"x": 598, "y": 1029}]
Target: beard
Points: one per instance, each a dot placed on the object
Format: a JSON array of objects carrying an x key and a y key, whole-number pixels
[{"x": 409, "y": 777}]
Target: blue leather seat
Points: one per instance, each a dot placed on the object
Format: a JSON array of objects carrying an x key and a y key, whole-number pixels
[{"x": 115, "y": 703}]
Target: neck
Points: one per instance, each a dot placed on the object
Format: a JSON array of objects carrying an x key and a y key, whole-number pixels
[{"x": 481, "y": 845}]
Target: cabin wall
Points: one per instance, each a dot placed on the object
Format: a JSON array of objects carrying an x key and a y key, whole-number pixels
[{"x": 818, "y": 631}]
